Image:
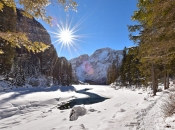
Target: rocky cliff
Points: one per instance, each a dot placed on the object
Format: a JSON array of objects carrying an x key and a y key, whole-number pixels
[
  {"x": 45, "y": 63},
  {"x": 37, "y": 33},
  {"x": 21, "y": 67},
  {"x": 93, "y": 69},
  {"x": 34, "y": 30}
]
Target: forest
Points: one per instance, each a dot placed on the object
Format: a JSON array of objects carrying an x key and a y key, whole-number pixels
[{"x": 151, "y": 60}]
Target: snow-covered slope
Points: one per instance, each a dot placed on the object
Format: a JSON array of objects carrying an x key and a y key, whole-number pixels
[
  {"x": 35, "y": 108},
  {"x": 94, "y": 68}
]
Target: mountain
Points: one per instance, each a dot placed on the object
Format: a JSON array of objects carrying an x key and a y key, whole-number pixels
[
  {"x": 46, "y": 63},
  {"x": 24, "y": 67},
  {"x": 93, "y": 69},
  {"x": 36, "y": 32}
]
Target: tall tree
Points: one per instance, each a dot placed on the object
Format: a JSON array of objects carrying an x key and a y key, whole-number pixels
[
  {"x": 156, "y": 36},
  {"x": 111, "y": 73},
  {"x": 122, "y": 68},
  {"x": 69, "y": 73},
  {"x": 7, "y": 23}
]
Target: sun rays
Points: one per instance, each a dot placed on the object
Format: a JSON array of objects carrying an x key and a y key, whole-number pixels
[{"x": 67, "y": 36}]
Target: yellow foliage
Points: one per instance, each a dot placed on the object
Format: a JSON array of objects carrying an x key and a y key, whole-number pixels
[
  {"x": 1, "y": 52},
  {"x": 37, "y": 8},
  {"x": 20, "y": 39},
  {"x": 1, "y": 6}
]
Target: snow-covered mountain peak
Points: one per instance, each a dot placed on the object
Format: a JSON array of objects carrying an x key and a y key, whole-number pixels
[
  {"x": 94, "y": 68},
  {"x": 103, "y": 49}
]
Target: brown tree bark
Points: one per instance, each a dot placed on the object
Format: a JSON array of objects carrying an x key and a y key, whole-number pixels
[
  {"x": 167, "y": 86},
  {"x": 165, "y": 80},
  {"x": 153, "y": 80}
]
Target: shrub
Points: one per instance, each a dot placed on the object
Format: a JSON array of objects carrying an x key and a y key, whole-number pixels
[{"x": 168, "y": 105}]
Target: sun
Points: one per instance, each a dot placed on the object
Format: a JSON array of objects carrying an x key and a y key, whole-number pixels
[{"x": 66, "y": 36}]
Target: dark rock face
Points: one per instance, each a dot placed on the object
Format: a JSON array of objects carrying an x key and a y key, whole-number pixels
[
  {"x": 37, "y": 33},
  {"x": 34, "y": 30},
  {"x": 33, "y": 66},
  {"x": 29, "y": 68}
]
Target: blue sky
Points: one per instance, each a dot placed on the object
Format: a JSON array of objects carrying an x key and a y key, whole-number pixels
[{"x": 102, "y": 23}]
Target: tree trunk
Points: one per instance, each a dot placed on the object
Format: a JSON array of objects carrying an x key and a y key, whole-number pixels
[
  {"x": 153, "y": 80},
  {"x": 165, "y": 80},
  {"x": 167, "y": 85}
]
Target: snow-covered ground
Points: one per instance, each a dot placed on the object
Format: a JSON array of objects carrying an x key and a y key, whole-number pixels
[{"x": 36, "y": 109}]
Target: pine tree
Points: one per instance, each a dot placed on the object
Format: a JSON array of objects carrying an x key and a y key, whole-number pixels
[
  {"x": 134, "y": 63},
  {"x": 69, "y": 74},
  {"x": 8, "y": 23},
  {"x": 156, "y": 37},
  {"x": 111, "y": 73},
  {"x": 123, "y": 69},
  {"x": 37, "y": 8},
  {"x": 64, "y": 74},
  {"x": 108, "y": 77}
]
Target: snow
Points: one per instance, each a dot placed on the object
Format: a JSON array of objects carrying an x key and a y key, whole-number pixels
[
  {"x": 103, "y": 55},
  {"x": 36, "y": 109},
  {"x": 94, "y": 67}
]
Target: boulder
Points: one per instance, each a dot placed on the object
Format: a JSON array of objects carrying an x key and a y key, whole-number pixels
[{"x": 76, "y": 112}]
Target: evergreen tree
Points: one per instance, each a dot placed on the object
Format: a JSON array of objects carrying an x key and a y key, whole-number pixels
[
  {"x": 108, "y": 77},
  {"x": 8, "y": 23},
  {"x": 20, "y": 79},
  {"x": 37, "y": 8},
  {"x": 111, "y": 73},
  {"x": 64, "y": 74},
  {"x": 123, "y": 69},
  {"x": 134, "y": 76},
  {"x": 117, "y": 67},
  {"x": 129, "y": 71},
  {"x": 69, "y": 74},
  {"x": 156, "y": 37}
]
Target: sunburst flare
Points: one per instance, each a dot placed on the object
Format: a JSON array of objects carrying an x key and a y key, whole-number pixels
[{"x": 66, "y": 35}]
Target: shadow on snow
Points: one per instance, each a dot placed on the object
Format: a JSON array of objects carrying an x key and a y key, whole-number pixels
[
  {"x": 18, "y": 92},
  {"x": 93, "y": 98}
]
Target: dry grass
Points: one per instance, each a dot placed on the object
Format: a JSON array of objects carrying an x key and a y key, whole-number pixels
[{"x": 168, "y": 103}]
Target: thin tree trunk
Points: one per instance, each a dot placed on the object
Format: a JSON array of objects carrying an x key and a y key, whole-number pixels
[
  {"x": 165, "y": 80},
  {"x": 153, "y": 80},
  {"x": 167, "y": 86}
]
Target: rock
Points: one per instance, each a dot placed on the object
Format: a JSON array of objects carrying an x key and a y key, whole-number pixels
[
  {"x": 122, "y": 110},
  {"x": 77, "y": 127},
  {"x": 76, "y": 112},
  {"x": 167, "y": 126},
  {"x": 64, "y": 105},
  {"x": 92, "y": 110},
  {"x": 145, "y": 98}
]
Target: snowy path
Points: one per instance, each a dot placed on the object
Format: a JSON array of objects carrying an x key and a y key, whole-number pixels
[{"x": 150, "y": 117}]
